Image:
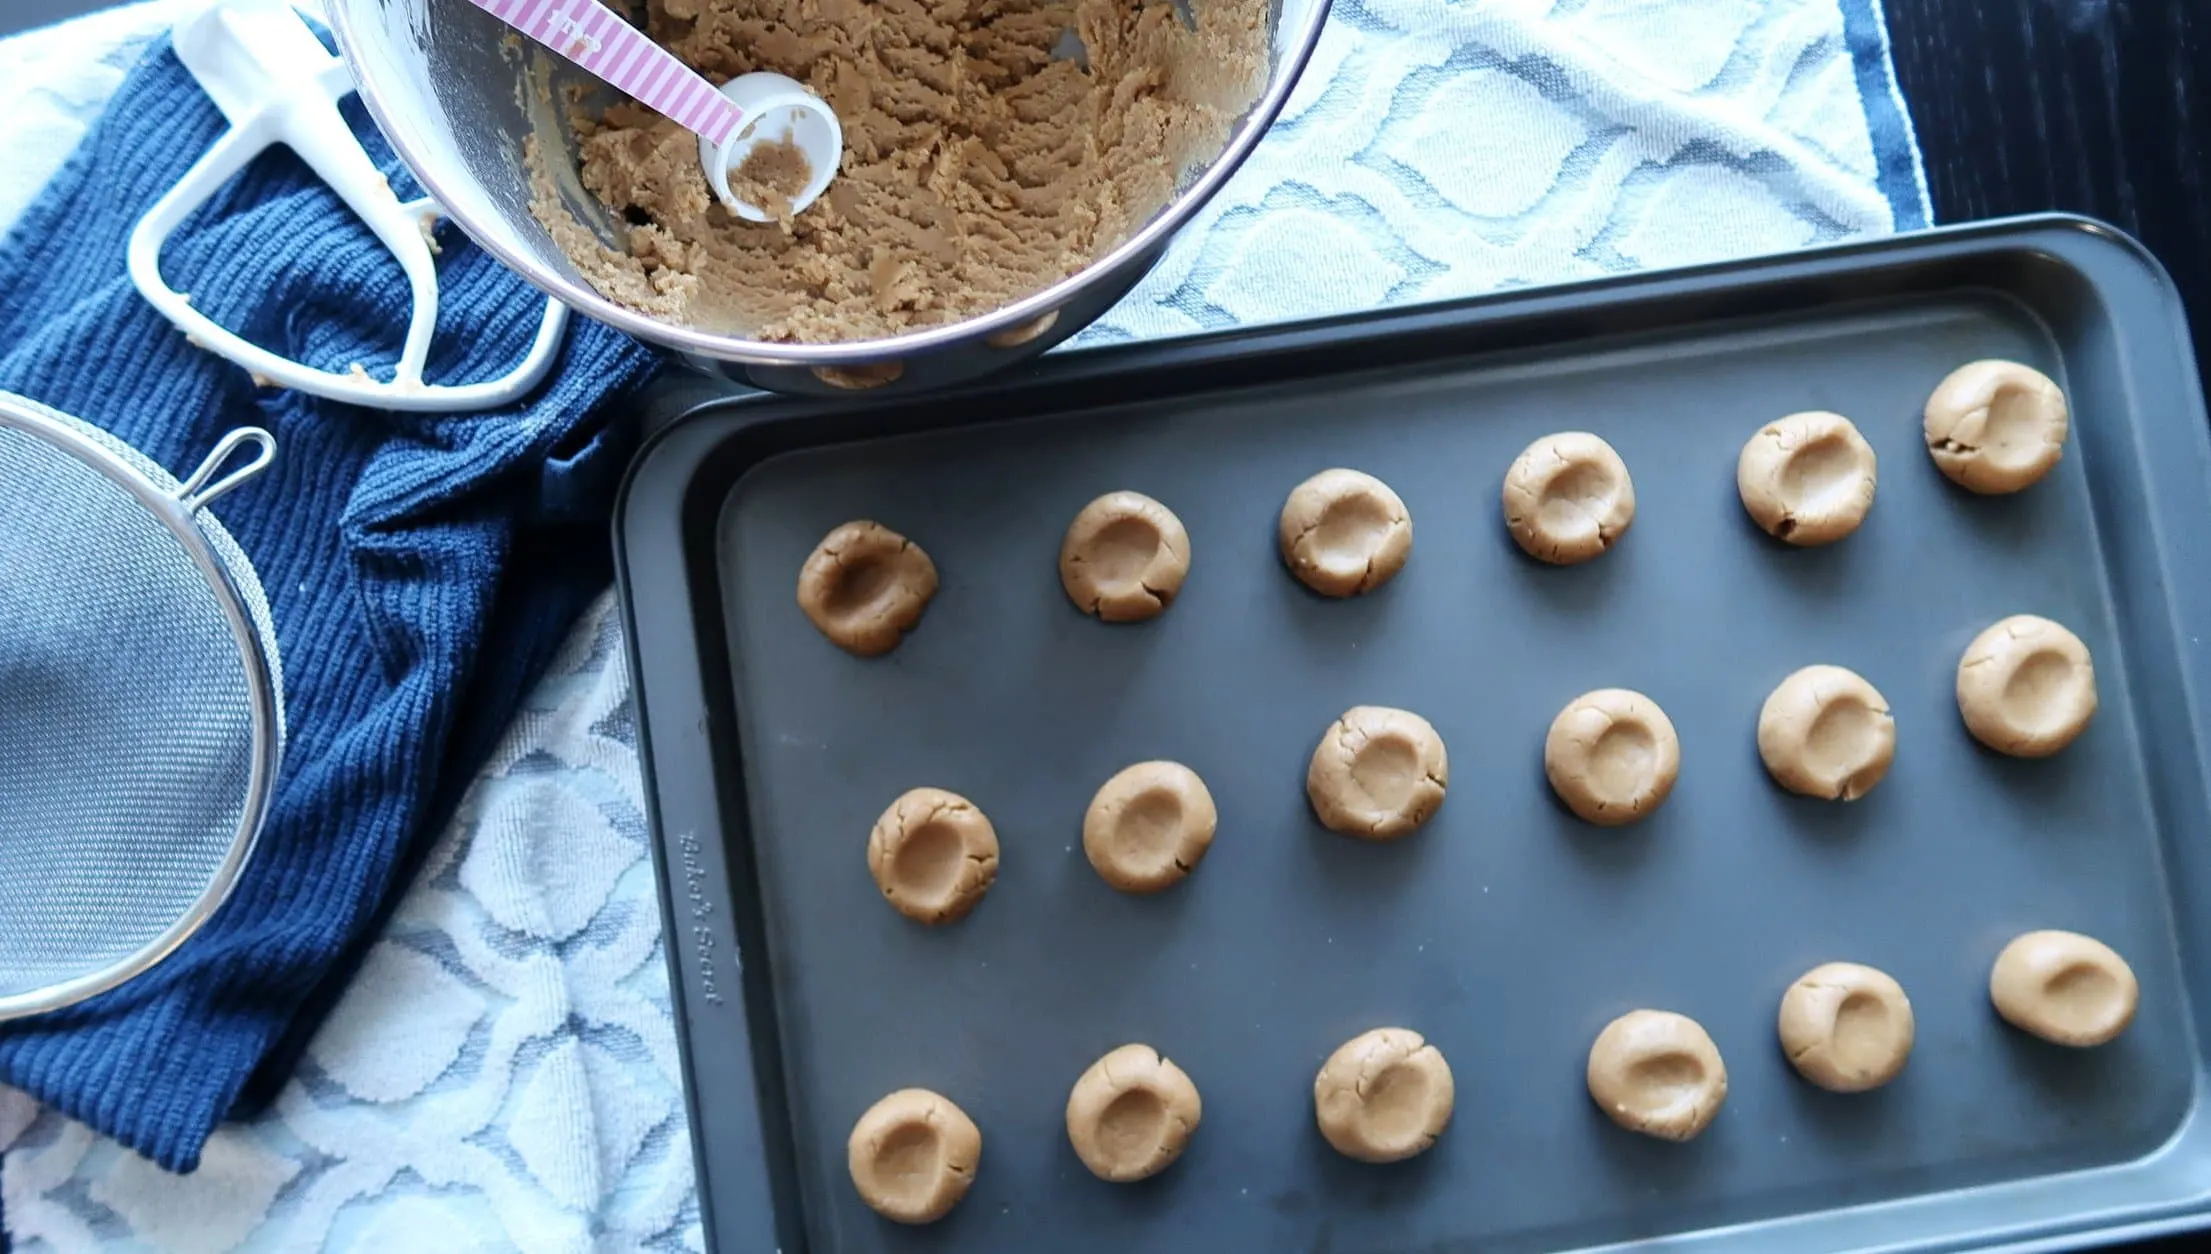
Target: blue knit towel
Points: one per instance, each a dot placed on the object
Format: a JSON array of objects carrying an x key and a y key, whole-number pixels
[{"x": 421, "y": 567}]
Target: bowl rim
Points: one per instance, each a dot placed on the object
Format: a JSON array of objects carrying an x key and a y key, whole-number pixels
[{"x": 584, "y": 298}]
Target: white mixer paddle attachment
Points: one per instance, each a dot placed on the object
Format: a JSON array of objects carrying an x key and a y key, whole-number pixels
[
  {"x": 276, "y": 84},
  {"x": 762, "y": 116}
]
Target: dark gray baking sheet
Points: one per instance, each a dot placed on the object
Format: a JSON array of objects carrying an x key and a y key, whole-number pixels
[{"x": 1505, "y": 931}]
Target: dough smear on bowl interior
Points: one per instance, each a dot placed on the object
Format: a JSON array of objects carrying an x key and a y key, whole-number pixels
[{"x": 982, "y": 163}]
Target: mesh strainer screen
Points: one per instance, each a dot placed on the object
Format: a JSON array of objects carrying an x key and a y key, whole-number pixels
[{"x": 126, "y": 721}]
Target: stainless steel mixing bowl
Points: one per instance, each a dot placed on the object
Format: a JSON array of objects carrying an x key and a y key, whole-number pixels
[{"x": 458, "y": 106}]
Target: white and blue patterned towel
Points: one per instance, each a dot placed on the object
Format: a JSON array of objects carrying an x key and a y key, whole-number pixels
[{"x": 503, "y": 1074}]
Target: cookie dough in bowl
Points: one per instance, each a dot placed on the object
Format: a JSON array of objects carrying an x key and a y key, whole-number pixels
[
  {"x": 1807, "y": 478},
  {"x": 1657, "y": 1073},
  {"x": 2026, "y": 687},
  {"x": 1826, "y": 732},
  {"x": 1124, "y": 558},
  {"x": 913, "y": 1156},
  {"x": 2066, "y": 988},
  {"x": 989, "y": 152},
  {"x": 1148, "y": 826},
  {"x": 1131, "y": 1114},
  {"x": 865, "y": 586},
  {"x": 1383, "y": 1095},
  {"x": 933, "y": 854},
  {"x": 1568, "y": 498},
  {"x": 1377, "y": 773},
  {"x": 1612, "y": 756},
  {"x": 1343, "y": 533},
  {"x": 1846, "y": 1027},
  {"x": 1996, "y": 426}
]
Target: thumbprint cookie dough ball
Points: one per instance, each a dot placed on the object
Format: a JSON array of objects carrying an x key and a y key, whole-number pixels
[
  {"x": 933, "y": 854},
  {"x": 1377, "y": 773},
  {"x": 1568, "y": 498},
  {"x": 1846, "y": 1027},
  {"x": 1996, "y": 426},
  {"x": 1657, "y": 1073},
  {"x": 1826, "y": 732},
  {"x": 1383, "y": 1095},
  {"x": 1124, "y": 558},
  {"x": 865, "y": 586},
  {"x": 1612, "y": 756},
  {"x": 913, "y": 1156},
  {"x": 2026, "y": 687},
  {"x": 2066, "y": 988},
  {"x": 1148, "y": 826},
  {"x": 1131, "y": 1114},
  {"x": 1807, "y": 478},
  {"x": 1343, "y": 533}
]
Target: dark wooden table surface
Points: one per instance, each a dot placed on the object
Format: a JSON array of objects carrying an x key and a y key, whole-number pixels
[{"x": 2100, "y": 107}]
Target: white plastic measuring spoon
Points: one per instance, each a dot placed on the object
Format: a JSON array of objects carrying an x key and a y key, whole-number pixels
[{"x": 731, "y": 121}]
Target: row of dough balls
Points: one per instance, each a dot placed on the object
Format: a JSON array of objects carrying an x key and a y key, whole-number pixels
[
  {"x": 934, "y": 854},
  {"x": 1848, "y": 1028},
  {"x": 1387, "y": 1094},
  {"x": 2025, "y": 687},
  {"x": 1382, "y": 1096},
  {"x": 1808, "y": 479}
]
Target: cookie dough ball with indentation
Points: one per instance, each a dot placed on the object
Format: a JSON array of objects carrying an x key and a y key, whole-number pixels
[
  {"x": 1383, "y": 1095},
  {"x": 1612, "y": 756},
  {"x": 1807, "y": 478},
  {"x": 1568, "y": 498},
  {"x": 1377, "y": 774},
  {"x": 1826, "y": 732},
  {"x": 864, "y": 586},
  {"x": 2064, "y": 987},
  {"x": 1343, "y": 533},
  {"x": 1846, "y": 1027},
  {"x": 2026, "y": 687},
  {"x": 1657, "y": 1073},
  {"x": 1124, "y": 558},
  {"x": 1148, "y": 826},
  {"x": 913, "y": 1155},
  {"x": 1996, "y": 426},
  {"x": 1131, "y": 1114},
  {"x": 933, "y": 854}
]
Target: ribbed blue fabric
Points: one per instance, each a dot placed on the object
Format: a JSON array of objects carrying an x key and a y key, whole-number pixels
[{"x": 421, "y": 567}]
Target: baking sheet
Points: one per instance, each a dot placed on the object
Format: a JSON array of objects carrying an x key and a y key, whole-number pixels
[{"x": 1505, "y": 931}]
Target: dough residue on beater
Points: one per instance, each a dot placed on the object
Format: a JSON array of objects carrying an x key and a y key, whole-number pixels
[{"x": 981, "y": 162}]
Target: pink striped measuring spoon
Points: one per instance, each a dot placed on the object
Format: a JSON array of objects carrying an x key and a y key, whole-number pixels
[{"x": 594, "y": 37}]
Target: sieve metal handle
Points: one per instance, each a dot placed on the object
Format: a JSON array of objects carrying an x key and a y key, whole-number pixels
[{"x": 203, "y": 487}]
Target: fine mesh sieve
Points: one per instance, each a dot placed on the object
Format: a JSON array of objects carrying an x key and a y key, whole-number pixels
[{"x": 141, "y": 704}]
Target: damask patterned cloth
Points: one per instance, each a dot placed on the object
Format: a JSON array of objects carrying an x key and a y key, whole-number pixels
[{"x": 503, "y": 1073}]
